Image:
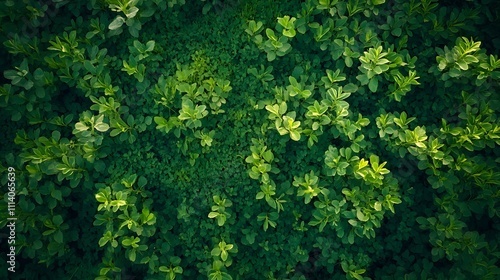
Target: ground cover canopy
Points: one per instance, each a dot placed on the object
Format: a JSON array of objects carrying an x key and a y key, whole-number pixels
[{"x": 240, "y": 139}]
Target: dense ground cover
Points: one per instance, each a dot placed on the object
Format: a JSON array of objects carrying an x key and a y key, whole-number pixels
[{"x": 317, "y": 139}]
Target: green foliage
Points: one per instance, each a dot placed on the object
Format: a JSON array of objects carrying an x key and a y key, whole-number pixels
[
  {"x": 277, "y": 150},
  {"x": 274, "y": 46},
  {"x": 219, "y": 211},
  {"x": 20, "y": 77},
  {"x": 173, "y": 269}
]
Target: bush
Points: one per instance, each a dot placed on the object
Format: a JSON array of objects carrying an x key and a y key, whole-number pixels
[{"x": 316, "y": 139}]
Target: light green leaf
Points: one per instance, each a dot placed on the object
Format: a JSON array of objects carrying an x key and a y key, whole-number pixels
[
  {"x": 102, "y": 127},
  {"x": 116, "y": 23},
  {"x": 295, "y": 135},
  {"x": 224, "y": 255},
  {"x": 212, "y": 215}
]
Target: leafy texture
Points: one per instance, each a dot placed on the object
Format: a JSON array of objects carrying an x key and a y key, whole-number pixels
[{"x": 316, "y": 139}]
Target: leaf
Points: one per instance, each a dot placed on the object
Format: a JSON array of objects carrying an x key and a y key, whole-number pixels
[
  {"x": 127, "y": 241},
  {"x": 206, "y": 8},
  {"x": 260, "y": 195},
  {"x": 350, "y": 88},
  {"x": 295, "y": 135},
  {"x": 100, "y": 197},
  {"x": 397, "y": 31},
  {"x": 274, "y": 109},
  {"x": 422, "y": 221},
  {"x": 212, "y": 215},
  {"x": 361, "y": 216},
  {"x": 363, "y": 78},
  {"x": 132, "y": 255},
  {"x": 350, "y": 237},
  {"x": 289, "y": 33},
  {"x": 141, "y": 183},
  {"x": 282, "y": 108},
  {"x": 374, "y": 160},
  {"x": 58, "y": 237},
  {"x": 268, "y": 156},
  {"x": 81, "y": 126},
  {"x": 215, "y": 252},
  {"x": 160, "y": 121},
  {"x": 373, "y": 84},
  {"x": 48, "y": 232},
  {"x": 10, "y": 74},
  {"x": 224, "y": 255},
  {"x": 462, "y": 64},
  {"x": 103, "y": 241},
  {"x": 102, "y": 127},
  {"x": 132, "y": 12},
  {"x": 150, "y": 45},
  {"x": 115, "y": 132},
  {"x": 178, "y": 270},
  {"x": 57, "y": 194},
  {"x": 116, "y": 23},
  {"x": 270, "y": 34},
  {"x": 271, "y": 56},
  {"x": 58, "y": 220}
]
